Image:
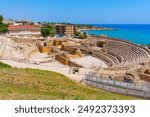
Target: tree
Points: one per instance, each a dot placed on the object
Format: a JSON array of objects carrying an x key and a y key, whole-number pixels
[
  {"x": 77, "y": 34},
  {"x": 1, "y": 18},
  {"x": 51, "y": 30},
  {"x": 32, "y": 23},
  {"x": 48, "y": 31},
  {"x": 45, "y": 32},
  {"x": 85, "y": 35},
  {"x": 3, "y": 26},
  {"x": 80, "y": 35}
]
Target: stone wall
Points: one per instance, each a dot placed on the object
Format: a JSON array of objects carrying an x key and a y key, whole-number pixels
[
  {"x": 62, "y": 59},
  {"x": 66, "y": 61},
  {"x": 69, "y": 49},
  {"x": 45, "y": 46},
  {"x": 100, "y": 44},
  {"x": 145, "y": 77},
  {"x": 72, "y": 50},
  {"x": 72, "y": 64},
  {"x": 43, "y": 49},
  {"x": 24, "y": 40},
  {"x": 70, "y": 56},
  {"x": 57, "y": 42}
]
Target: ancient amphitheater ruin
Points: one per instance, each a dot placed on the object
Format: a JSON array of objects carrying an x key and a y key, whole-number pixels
[
  {"x": 126, "y": 61},
  {"x": 109, "y": 58}
]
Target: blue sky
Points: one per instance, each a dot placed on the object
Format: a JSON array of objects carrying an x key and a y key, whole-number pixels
[{"x": 79, "y": 11}]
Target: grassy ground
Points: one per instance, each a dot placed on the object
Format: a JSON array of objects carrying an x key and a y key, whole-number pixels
[{"x": 37, "y": 84}]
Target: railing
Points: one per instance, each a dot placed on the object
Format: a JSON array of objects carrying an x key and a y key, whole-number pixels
[{"x": 133, "y": 89}]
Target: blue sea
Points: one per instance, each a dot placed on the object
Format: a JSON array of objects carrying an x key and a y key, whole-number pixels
[{"x": 137, "y": 33}]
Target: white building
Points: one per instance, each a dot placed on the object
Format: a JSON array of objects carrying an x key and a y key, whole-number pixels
[{"x": 24, "y": 30}]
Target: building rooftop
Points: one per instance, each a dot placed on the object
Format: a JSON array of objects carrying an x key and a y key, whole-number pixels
[{"x": 22, "y": 27}]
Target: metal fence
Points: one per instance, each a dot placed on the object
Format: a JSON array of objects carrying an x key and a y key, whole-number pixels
[{"x": 133, "y": 89}]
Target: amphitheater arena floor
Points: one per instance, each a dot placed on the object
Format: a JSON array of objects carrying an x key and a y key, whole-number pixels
[{"x": 89, "y": 62}]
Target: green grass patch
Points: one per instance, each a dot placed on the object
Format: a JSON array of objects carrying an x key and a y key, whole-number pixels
[
  {"x": 32, "y": 84},
  {"x": 3, "y": 65}
]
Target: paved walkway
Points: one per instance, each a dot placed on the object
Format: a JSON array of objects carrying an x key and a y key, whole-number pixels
[{"x": 54, "y": 66}]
